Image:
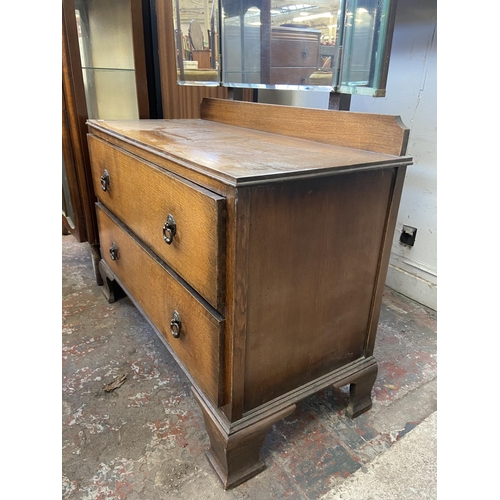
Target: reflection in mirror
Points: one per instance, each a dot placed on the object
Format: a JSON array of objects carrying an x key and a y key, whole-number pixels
[
  {"x": 365, "y": 45},
  {"x": 340, "y": 45},
  {"x": 196, "y": 28},
  {"x": 280, "y": 44}
]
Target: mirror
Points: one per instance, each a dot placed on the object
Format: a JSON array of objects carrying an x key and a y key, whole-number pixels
[
  {"x": 196, "y": 31},
  {"x": 270, "y": 43},
  {"x": 196, "y": 35},
  {"x": 277, "y": 44},
  {"x": 367, "y": 36}
]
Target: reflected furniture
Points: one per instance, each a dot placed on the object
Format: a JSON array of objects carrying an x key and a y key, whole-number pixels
[
  {"x": 255, "y": 240},
  {"x": 294, "y": 56},
  {"x": 264, "y": 44}
]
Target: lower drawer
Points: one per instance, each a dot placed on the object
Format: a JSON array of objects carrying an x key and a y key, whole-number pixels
[
  {"x": 190, "y": 328},
  {"x": 291, "y": 76}
]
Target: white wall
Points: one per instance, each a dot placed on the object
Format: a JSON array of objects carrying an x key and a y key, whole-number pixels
[{"x": 411, "y": 93}]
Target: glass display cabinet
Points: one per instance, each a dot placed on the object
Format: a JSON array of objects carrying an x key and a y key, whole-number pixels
[
  {"x": 104, "y": 76},
  {"x": 334, "y": 45},
  {"x": 112, "y": 61}
]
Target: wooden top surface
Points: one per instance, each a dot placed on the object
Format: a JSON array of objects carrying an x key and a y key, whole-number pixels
[{"x": 239, "y": 155}]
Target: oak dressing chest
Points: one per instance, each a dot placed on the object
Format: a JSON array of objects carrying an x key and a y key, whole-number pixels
[{"x": 256, "y": 242}]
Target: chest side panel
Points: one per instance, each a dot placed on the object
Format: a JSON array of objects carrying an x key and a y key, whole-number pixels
[{"x": 313, "y": 256}]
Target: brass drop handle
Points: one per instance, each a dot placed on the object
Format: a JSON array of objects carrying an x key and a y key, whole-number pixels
[
  {"x": 105, "y": 180},
  {"x": 169, "y": 230},
  {"x": 113, "y": 251},
  {"x": 175, "y": 325}
]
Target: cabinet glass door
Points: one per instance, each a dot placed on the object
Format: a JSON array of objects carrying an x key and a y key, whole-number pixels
[
  {"x": 107, "y": 53},
  {"x": 197, "y": 42}
]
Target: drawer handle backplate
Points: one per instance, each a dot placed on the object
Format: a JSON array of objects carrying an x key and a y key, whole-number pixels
[
  {"x": 105, "y": 181},
  {"x": 175, "y": 325},
  {"x": 113, "y": 251},
  {"x": 169, "y": 230}
]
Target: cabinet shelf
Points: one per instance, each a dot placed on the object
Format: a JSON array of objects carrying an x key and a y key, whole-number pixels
[{"x": 94, "y": 68}]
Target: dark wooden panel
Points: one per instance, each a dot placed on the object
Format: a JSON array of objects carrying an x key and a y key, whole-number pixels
[
  {"x": 158, "y": 294},
  {"x": 75, "y": 110},
  {"x": 141, "y": 80},
  {"x": 238, "y": 223},
  {"x": 73, "y": 220},
  {"x": 180, "y": 101},
  {"x": 385, "y": 254},
  {"x": 313, "y": 257},
  {"x": 142, "y": 196}
]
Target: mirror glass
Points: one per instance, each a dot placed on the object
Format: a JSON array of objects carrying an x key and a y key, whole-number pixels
[
  {"x": 340, "y": 45},
  {"x": 277, "y": 44},
  {"x": 197, "y": 41},
  {"x": 364, "y": 65}
]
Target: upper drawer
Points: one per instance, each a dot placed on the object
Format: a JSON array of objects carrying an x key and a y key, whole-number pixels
[
  {"x": 152, "y": 202},
  {"x": 294, "y": 53}
]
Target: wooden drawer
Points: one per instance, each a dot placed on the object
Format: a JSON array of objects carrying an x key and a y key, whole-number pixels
[
  {"x": 292, "y": 76},
  {"x": 294, "y": 53},
  {"x": 142, "y": 196},
  {"x": 158, "y": 294}
]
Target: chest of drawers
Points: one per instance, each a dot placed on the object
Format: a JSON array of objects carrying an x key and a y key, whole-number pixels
[
  {"x": 294, "y": 55},
  {"x": 256, "y": 242}
]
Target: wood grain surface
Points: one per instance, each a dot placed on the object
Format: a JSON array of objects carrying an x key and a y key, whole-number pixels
[
  {"x": 313, "y": 261},
  {"x": 142, "y": 196},
  {"x": 159, "y": 294},
  {"x": 366, "y": 131},
  {"x": 238, "y": 155}
]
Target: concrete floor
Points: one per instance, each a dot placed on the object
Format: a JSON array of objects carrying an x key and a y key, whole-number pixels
[{"x": 146, "y": 439}]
